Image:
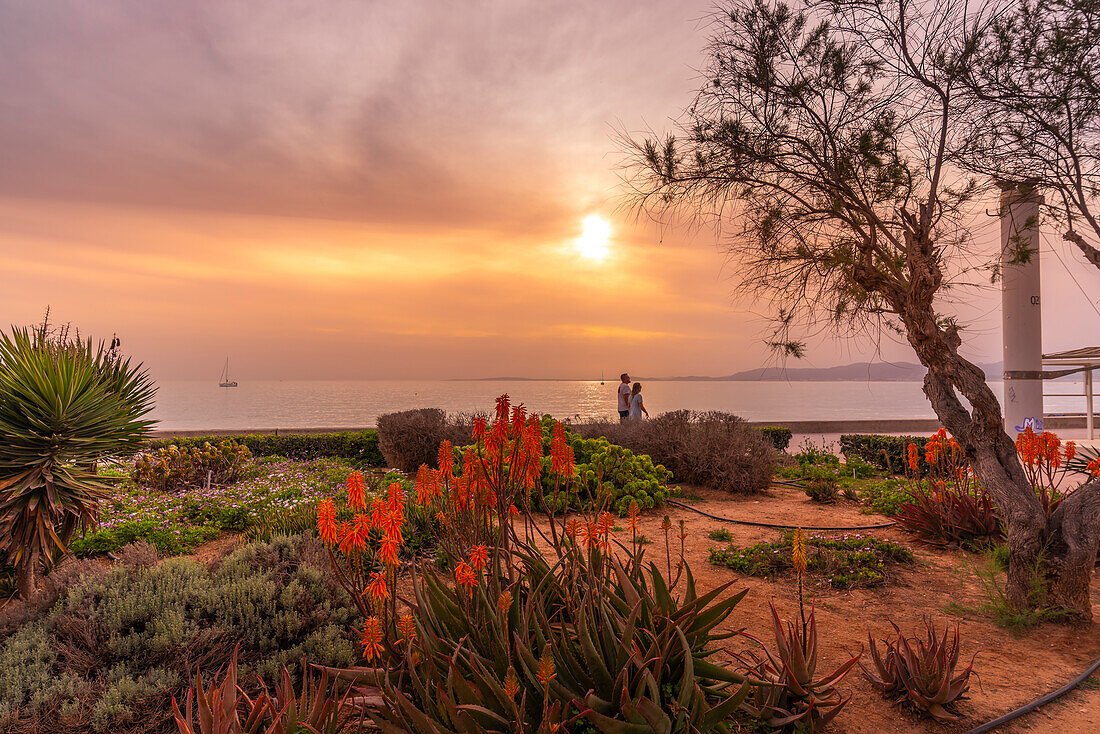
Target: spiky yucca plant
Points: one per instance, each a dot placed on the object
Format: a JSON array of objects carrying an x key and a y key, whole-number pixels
[{"x": 64, "y": 404}]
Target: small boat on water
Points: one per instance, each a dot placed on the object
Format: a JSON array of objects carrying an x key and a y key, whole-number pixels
[{"x": 226, "y": 382}]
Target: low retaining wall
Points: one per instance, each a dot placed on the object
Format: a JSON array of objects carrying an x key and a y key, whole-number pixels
[{"x": 875, "y": 425}]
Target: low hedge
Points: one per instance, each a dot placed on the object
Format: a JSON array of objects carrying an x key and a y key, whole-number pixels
[
  {"x": 360, "y": 446},
  {"x": 780, "y": 436},
  {"x": 886, "y": 452}
]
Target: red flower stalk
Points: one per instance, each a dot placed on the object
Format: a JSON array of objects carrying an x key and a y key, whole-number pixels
[
  {"x": 446, "y": 461},
  {"x": 392, "y": 523},
  {"x": 372, "y": 638},
  {"x": 407, "y": 627},
  {"x": 326, "y": 521},
  {"x": 466, "y": 577},
  {"x": 479, "y": 557},
  {"x": 357, "y": 490},
  {"x": 377, "y": 512},
  {"x": 376, "y": 587},
  {"x": 388, "y": 552},
  {"x": 423, "y": 485},
  {"x": 633, "y": 513},
  {"x": 503, "y": 404},
  {"x": 354, "y": 534},
  {"x": 396, "y": 498},
  {"x": 914, "y": 457},
  {"x": 504, "y": 603}
]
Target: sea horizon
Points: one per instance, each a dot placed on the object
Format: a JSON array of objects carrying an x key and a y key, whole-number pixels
[{"x": 188, "y": 405}]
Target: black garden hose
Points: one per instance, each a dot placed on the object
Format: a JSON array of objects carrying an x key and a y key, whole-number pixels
[
  {"x": 778, "y": 526},
  {"x": 990, "y": 726}
]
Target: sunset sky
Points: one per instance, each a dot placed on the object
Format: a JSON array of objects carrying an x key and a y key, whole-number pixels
[{"x": 361, "y": 189}]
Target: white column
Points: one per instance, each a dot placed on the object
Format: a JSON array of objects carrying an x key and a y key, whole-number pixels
[
  {"x": 1089, "y": 420},
  {"x": 1021, "y": 310}
]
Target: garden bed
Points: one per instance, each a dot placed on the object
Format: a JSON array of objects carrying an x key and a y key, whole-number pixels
[
  {"x": 177, "y": 522},
  {"x": 1013, "y": 669}
]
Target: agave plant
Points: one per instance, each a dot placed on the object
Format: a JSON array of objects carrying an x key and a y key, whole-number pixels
[
  {"x": 922, "y": 673},
  {"x": 795, "y": 695},
  {"x": 63, "y": 406},
  {"x": 627, "y": 655}
]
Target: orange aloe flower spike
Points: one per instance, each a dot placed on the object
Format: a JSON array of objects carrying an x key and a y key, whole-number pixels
[
  {"x": 357, "y": 490},
  {"x": 377, "y": 588},
  {"x": 326, "y": 521},
  {"x": 372, "y": 638}
]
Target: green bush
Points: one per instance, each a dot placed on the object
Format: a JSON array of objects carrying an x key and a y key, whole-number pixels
[
  {"x": 885, "y": 497},
  {"x": 358, "y": 446},
  {"x": 117, "y": 646},
  {"x": 885, "y": 452},
  {"x": 780, "y": 436},
  {"x": 167, "y": 541},
  {"x": 844, "y": 562}
]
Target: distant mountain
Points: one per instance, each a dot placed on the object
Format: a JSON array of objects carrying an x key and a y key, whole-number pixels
[{"x": 857, "y": 371}]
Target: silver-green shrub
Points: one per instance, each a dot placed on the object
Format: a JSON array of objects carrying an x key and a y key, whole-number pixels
[{"x": 117, "y": 646}]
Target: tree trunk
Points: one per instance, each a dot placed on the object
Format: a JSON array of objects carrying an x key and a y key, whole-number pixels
[
  {"x": 26, "y": 578},
  {"x": 1050, "y": 559},
  {"x": 1073, "y": 534}
]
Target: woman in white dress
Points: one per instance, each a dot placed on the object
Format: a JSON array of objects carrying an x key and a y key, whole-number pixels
[{"x": 637, "y": 407}]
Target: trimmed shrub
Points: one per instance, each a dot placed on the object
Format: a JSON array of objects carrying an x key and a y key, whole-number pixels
[
  {"x": 780, "y": 436},
  {"x": 118, "y": 646},
  {"x": 711, "y": 449},
  {"x": 410, "y": 438},
  {"x": 885, "y": 452},
  {"x": 358, "y": 446}
]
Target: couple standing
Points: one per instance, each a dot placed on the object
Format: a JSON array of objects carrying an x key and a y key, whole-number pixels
[{"x": 631, "y": 406}]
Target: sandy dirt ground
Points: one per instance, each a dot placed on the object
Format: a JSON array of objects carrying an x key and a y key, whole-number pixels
[{"x": 1012, "y": 670}]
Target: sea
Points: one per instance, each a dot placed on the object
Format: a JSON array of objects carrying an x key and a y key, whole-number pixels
[{"x": 274, "y": 404}]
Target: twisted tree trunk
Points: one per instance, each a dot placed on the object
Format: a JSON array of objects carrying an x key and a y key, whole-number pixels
[{"x": 1053, "y": 555}]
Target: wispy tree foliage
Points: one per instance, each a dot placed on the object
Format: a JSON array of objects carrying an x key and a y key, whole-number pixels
[
  {"x": 1035, "y": 88},
  {"x": 830, "y": 140}
]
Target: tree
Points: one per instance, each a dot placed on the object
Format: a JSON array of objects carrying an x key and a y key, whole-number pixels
[
  {"x": 828, "y": 135},
  {"x": 63, "y": 406},
  {"x": 1035, "y": 84}
]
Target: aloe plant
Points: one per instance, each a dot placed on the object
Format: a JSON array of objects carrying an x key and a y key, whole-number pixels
[
  {"x": 63, "y": 406},
  {"x": 317, "y": 709},
  {"x": 586, "y": 638},
  {"x": 215, "y": 710},
  {"x": 795, "y": 696},
  {"x": 921, "y": 672}
]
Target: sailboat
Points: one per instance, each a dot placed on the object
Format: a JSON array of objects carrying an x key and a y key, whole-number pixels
[
  {"x": 226, "y": 382},
  {"x": 601, "y": 377}
]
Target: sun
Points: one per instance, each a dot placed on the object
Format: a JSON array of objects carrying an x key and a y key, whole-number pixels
[{"x": 593, "y": 244}]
